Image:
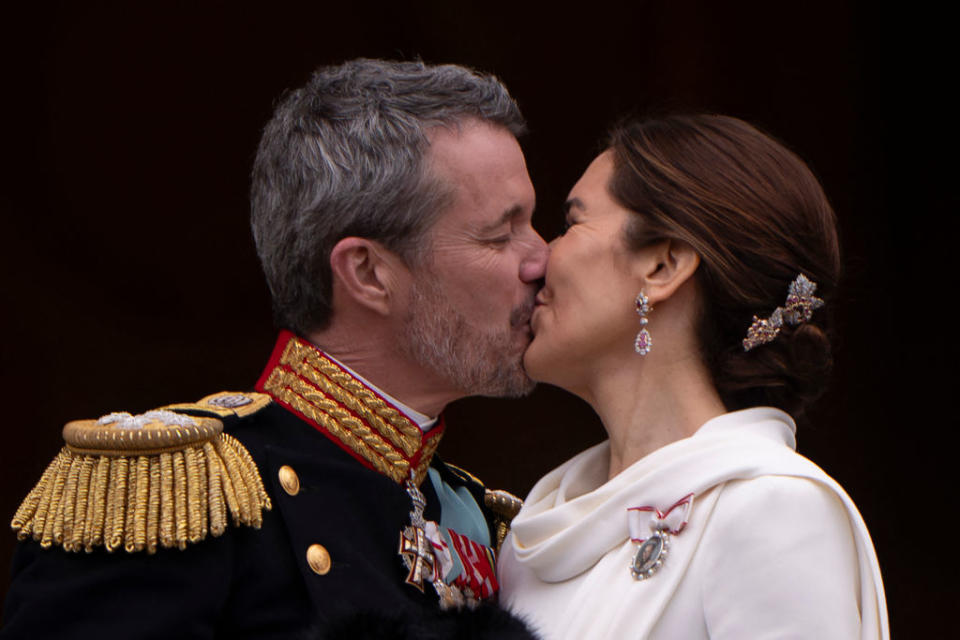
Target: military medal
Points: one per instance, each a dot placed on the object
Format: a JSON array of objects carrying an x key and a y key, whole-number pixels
[
  {"x": 415, "y": 548},
  {"x": 651, "y": 529},
  {"x": 460, "y": 570}
]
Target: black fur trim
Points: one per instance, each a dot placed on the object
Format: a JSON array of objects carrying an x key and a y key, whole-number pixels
[{"x": 486, "y": 622}]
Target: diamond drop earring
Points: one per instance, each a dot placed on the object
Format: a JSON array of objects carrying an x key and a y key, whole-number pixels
[{"x": 643, "y": 342}]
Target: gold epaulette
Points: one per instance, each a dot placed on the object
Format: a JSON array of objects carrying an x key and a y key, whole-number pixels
[
  {"x": 138, "y": 482},
  {"x": 505, "y": 506}
]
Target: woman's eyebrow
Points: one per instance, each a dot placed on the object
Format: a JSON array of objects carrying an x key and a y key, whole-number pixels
[{"x": 573, "y": 203}]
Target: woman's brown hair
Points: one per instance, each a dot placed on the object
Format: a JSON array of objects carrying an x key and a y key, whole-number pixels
[{"x": 758, "y": 218}]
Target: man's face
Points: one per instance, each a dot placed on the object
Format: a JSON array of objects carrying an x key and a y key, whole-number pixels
[{"x": 471, "y": 300}]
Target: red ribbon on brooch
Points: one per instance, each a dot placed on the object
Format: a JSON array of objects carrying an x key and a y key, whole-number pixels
[{"x": 642, "y": 521}]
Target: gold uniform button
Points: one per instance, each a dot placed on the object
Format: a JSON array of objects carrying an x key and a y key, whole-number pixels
[
  {"x": 319, "y": 559},
  {"x": 289, "y": 480}
]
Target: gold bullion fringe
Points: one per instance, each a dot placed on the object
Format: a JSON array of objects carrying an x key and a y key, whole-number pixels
[{"x": 140, "y": 503}]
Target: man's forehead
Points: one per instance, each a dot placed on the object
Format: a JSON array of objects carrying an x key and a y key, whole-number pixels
[
  {"x": 483, "y": 166},
  {"x": 473, "y": 147}
]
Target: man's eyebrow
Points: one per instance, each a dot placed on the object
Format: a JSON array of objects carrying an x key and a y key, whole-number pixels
[{"x": 504, "y": 218}]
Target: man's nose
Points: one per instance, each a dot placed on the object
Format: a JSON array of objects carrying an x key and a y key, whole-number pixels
[{"x": 534, "y": 264}]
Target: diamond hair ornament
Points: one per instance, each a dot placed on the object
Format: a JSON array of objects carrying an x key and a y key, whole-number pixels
[
  {"x": 763, "y": 330},
  {"x": 643, "y": 342},
  {"x": 799, "y": 308},
  {"x": 801, "y": 302}
]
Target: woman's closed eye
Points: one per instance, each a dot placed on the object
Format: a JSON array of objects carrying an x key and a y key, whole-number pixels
[{"x": 568, "y": 223}]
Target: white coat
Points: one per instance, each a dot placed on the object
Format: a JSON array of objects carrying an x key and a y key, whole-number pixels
[{"x": 772, "y": 546}]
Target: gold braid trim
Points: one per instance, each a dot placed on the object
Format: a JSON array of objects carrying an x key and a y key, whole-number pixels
[
  {"x": 346, "y": 423},
  {"x": 370, "y": 400},
  {"x": 143, "y": 502},
  {"x": 384, "y": 430},
  {"x": 351, "y": 393},
  {"x": 363, "y": 422},
  {"x": 429, "y": 448},
  {"x": 366, "y": 442}
]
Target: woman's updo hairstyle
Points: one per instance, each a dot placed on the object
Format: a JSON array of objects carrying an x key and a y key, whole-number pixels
[{"x": 758, "y": 218}]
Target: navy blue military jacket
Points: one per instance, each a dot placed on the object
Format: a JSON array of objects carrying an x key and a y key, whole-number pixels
[{"x": 255, "y": 583}]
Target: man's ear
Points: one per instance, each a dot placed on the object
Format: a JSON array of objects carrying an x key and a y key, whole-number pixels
[
  {"x": 667, "y": 265},
  {"x": 368, "y": 273}
]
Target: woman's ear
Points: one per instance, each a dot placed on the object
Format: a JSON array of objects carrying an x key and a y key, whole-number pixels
[
  {"x": 670, "y": 263},
  {"x": 367, "y": 273}
]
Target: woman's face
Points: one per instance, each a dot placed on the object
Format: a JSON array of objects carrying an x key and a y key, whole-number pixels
[{"x": 585, "y": 313}]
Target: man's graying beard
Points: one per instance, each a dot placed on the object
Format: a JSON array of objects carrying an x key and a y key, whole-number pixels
[{"x": 479, "y": 362}]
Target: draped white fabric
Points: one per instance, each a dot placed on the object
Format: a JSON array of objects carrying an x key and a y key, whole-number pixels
[{"x": 773, "y": 547}]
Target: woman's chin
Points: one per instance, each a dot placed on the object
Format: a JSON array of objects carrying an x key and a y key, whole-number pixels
[{"x": 537, "y": 359}]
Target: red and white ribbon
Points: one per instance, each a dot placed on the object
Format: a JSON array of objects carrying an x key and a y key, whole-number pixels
[
  {"x": 642, "y": 521},
  {"x": 444, "y": 560}
]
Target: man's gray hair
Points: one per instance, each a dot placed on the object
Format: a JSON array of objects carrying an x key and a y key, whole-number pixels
[{"x": 345, "y": 156}]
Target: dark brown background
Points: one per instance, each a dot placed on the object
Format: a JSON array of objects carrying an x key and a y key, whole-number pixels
[{"x": 129, "y": 279}]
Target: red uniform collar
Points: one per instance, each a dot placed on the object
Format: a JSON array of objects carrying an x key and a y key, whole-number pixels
[{"x": 302, "y": 379}]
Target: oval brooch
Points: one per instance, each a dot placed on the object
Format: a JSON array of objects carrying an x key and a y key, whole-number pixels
[
  {"x": 650, "y": 556},
  {"x": 656, "y": 526}
]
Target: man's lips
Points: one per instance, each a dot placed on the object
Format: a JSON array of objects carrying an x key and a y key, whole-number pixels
[{"x": 520, "y": 317}]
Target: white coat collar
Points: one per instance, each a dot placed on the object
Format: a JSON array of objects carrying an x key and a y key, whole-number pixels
[{"x": 574, "y": 516}]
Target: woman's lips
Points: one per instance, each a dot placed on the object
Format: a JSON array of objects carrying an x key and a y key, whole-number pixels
[
  {"x": 538, "y": 303},
  {"x": 533, "y": 318}
]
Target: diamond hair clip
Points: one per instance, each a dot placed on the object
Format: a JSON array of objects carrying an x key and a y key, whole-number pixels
[{"x": 798, "y": 308}]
